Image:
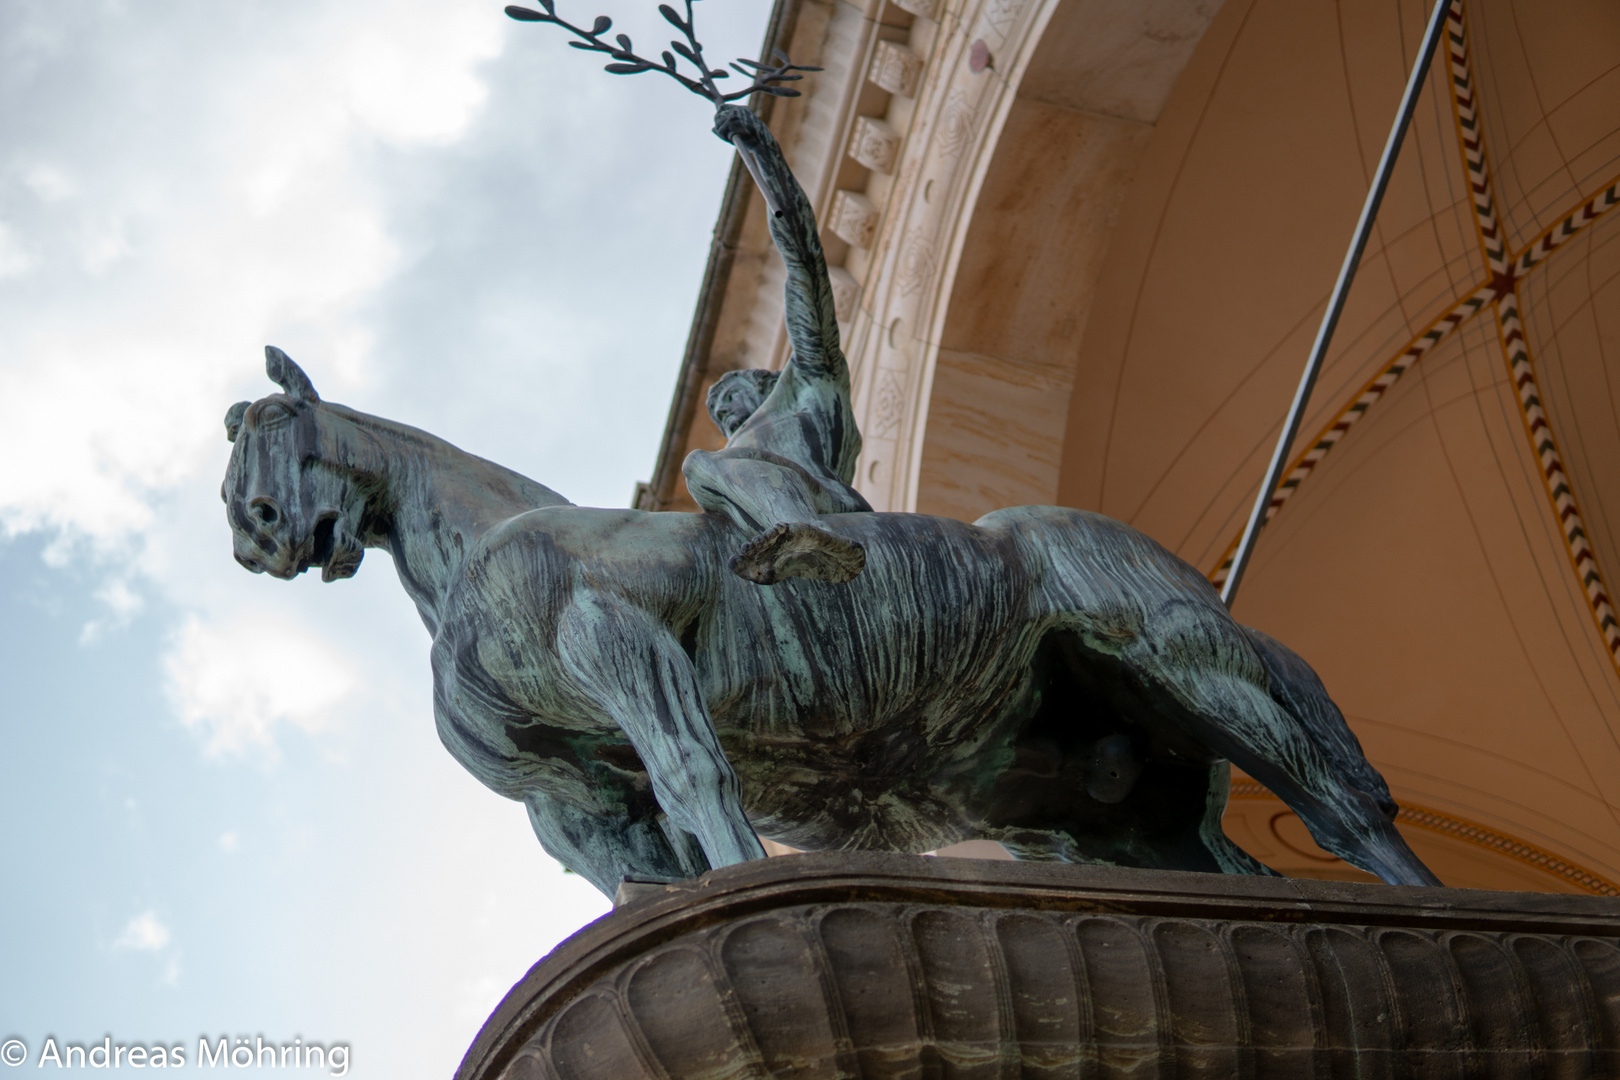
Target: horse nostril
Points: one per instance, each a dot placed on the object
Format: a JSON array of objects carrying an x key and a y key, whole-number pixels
[{"x": 265, "y": 510}]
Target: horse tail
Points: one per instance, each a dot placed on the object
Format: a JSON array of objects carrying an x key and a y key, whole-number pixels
[{"x": 1300, "y": 693}]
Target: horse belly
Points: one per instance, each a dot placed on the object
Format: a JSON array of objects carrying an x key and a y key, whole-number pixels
[
  {"x": 841, "y": 667},
  {"x": 890, "y": 788},
  {"x": 857, "y": 716}
]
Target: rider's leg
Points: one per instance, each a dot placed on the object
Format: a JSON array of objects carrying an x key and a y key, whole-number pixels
[{"x": 780, "y": 506}]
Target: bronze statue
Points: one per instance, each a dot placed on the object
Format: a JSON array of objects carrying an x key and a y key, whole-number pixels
[{"x": 658, "y": 688}]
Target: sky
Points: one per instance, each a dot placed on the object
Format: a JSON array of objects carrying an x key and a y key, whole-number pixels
[{"x": 223, "y": 805}]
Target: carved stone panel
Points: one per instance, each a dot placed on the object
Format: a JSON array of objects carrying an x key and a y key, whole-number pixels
[
  {"x": 874, "y": 144},
  {"x": 853, "y": 218},
  {"x": 847, "y": 966},
  {"x": 891, "y": 404},
  {"x": 896, "y": 68}
]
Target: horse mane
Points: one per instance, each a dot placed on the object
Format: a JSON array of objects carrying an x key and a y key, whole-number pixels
[{"x": 392, "y": 432}]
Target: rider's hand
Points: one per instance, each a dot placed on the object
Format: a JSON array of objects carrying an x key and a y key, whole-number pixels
[{"x": 736, "y": 125}]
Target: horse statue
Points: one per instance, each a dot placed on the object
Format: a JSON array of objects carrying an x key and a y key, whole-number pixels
[{"x": 662, "y": 689}]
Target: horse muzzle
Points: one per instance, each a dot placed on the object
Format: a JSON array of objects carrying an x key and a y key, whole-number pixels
[
  {"x": 266, "y": 540},
  {"x": 261, "y": 542},
  {"x": 277, "y": 562}
]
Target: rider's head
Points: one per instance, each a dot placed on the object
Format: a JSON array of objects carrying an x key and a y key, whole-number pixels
[{"x": 736, "y": 395}]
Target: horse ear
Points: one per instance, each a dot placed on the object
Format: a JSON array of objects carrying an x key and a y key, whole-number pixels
[
  {"x": 288, "y": 375},
  {"x": 233, "y": 419}
]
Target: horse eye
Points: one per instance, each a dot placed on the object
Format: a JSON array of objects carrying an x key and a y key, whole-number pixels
[{"x": 267, "y": 513}]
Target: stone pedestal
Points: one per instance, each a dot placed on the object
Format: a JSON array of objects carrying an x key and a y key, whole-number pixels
[{"x": 829, "y": 966}]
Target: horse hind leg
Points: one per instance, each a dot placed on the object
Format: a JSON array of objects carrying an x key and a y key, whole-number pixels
[
  {"x": 1231, "y": 858},
  {"x": 1344, "y": 821},
  {"x": 1238, "y": 719},
  {"x": 1295, "y": 687}
]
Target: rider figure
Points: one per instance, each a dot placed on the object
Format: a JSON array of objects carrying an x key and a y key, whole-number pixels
[{"x": 791, "y": 435}]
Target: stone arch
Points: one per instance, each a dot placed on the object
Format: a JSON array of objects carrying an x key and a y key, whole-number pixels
[{"x": 1086, "y": 103}]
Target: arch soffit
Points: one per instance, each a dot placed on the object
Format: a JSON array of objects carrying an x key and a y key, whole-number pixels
[{"x": 976, "y": 287}]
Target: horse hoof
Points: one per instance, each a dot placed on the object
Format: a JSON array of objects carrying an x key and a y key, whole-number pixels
[{"x": 798, "y": 549}]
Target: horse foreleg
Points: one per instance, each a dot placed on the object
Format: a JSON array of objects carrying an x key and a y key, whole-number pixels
[
  {"x": 606, "y": 850},
  {"x": 633, "y": 670}
]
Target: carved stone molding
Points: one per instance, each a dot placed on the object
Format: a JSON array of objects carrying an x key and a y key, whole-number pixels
[
  {"x": 948, "y": 136},
  {"x": 896, "y": 68},
  {"x": 834, "y": 965},
  {"x": 853, "y": 219},
  {"x": 890, "y": 405},
  {"x": 900, "y": 242},
  {"x": 927, "y": 9},
  {"x": 952, "y": 133},
  {"x": 874, "y": 144}
]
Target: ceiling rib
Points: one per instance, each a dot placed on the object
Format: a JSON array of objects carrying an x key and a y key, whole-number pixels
[
  {"x": 1535, "y": 253},
  {"x": 1500, "y": 291}
]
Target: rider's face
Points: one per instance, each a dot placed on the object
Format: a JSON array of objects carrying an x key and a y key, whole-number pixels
[{"x": 736, "y": 405}]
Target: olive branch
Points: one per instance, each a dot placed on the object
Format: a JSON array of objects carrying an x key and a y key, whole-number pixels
[{"x": 763, "y": 78}]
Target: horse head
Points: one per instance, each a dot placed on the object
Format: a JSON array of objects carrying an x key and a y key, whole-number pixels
[{"x": 290, "y": 502}]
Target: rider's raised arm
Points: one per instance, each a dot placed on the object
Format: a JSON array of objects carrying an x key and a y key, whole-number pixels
[{"x": 812, "y": 324}]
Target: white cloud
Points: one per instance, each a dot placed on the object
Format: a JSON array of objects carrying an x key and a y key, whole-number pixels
[
  {"x": 144, "y": 933},
  {"x": 234, "y": 681},
  {"x": 88, "y": 430},
  {"x": 123, "y": 604},
  {"x": 415, "y": 82},
  {"x": 121, "y": 598},
  {"x": 15, "y": 260},
  {"x": 265, "y": 215},
  {"x": 476, "y": 998},
  {"x": 102, "y": 247},
  {"x": 49, "y": 182}
]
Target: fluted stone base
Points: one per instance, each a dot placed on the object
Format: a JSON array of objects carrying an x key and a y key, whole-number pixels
[{"x": 828, "y": 965}]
